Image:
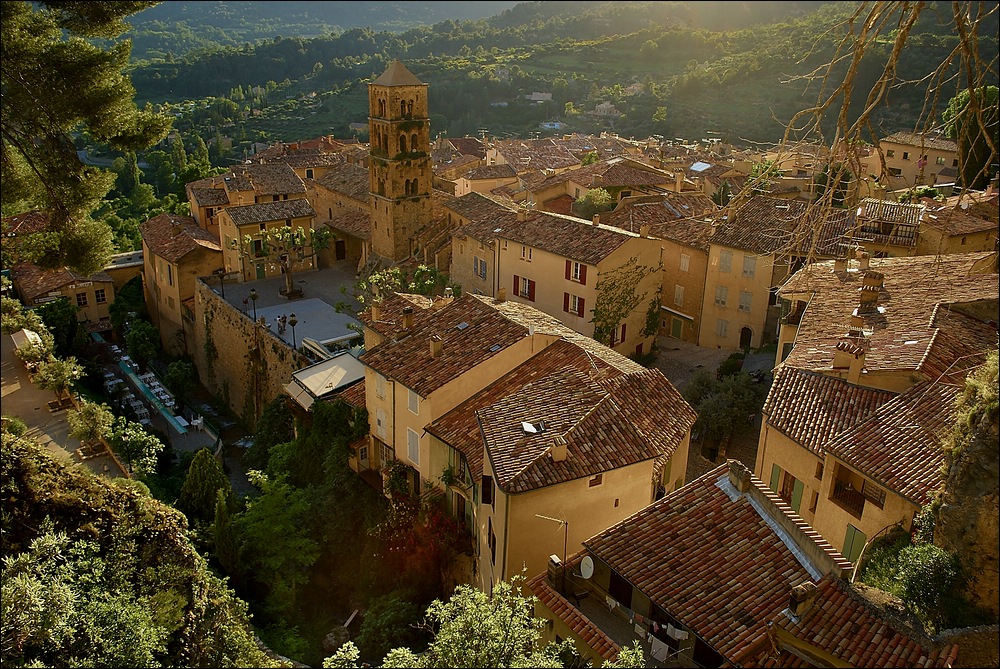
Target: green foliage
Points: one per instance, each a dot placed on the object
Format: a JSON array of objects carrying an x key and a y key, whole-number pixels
[
  {"x": 723, "y": 405},
  {"x": 423, "y": 280},
  {"x": 58, "y": 375},
  {"x": 835, "y": 179},
  {"x": 56, "y": 83},
  {"x": 731, "y": 365},
  {"x": 917, "y": 193},
  {"x": 926, "y": 575},
  {"x": 594, "y": 201},
  {"x": 199, "y": 494},
  {"x": 389, "y": 622},
  {"x": 972, "y": 119},
  {"x": 91, "y": 423},
  {"x": 275, "y": 426},
  {"x": 60, "y": 319},
  {"x": 14, "y": 426},
  {"x": 285, "y": 246},
  {"x": 617, "y": 296},
  {"x": 128, "y": 301},
  {"x": 181, "y": 377},
  {"x": 143, "y": 341},
  {"x": 134, "y": 443}
]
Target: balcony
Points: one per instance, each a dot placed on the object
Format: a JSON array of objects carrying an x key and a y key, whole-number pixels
[{"x": 846, "y": 497}]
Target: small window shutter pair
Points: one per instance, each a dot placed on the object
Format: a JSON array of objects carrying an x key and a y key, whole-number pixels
[{"x": 583, "y": 272}]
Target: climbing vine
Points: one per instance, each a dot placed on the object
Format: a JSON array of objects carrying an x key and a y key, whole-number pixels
[{"x": 618, "y": 296}]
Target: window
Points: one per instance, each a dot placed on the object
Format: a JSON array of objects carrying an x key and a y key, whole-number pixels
[
  {"x": 491, "y": 539},
  {"x": 725, "y": 260},
  {"x": 170, "y": 301},
  {"x": 412, "y": 401},
  {"x": 814, "y": 502},
  {"x": 386, "y": 454},
  {"x": 170, "y": 275},
  {"x": 379, "y": 385},
  {"x": 890, "y": 153},
  {"x": 873, "y": 493},
  {"x": 100, "y": 297},
  {"x": 479, "y": 267},
  {"x": 488, "y": 496},
  {"x": 81, "y": 299},
  {"x": 819, "y": 470},
  {"x": 939, "y": 160},
  {"x": 525, "y": 252},
  {"x": 263, "y": 226},
  {"x": 573, "y": 304},
  {"x": 954, "y": 163},
  {"x": 380, "y": 423},
  {"x": 363, "y": 453},
  {"x": 721, "y": 327},
  {"x": 895, "y": 171},
  {"x": 413, "y": 446},
  {"x": 619, "y": 335},
  {"x": 524, "y": 287},
  {"x": 749, "y": 265},
  {"x": 745, "y": 297},
  {"x": 854, "y": 541},
  {"x": 906, "y": 155},
  {"x": 679, "y": 295},
  {"x": 596, "y": 480},
  {"x": 576, "y": 272},
  {"x": 685, "y": 262},
  {"x": 721, "y": 295},
  {"x": 309, "y": 174}
]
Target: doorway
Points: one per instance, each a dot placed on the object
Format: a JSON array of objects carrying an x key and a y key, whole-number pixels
[{"x": 746, "y": 336}]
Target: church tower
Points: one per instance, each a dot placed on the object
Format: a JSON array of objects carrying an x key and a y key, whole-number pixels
[{"x": 399, "y": 169}]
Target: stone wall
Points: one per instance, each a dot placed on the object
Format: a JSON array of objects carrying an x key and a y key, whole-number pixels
[
  {"x": 244, "y": 364},
  {"x": 977, "y": 646}
]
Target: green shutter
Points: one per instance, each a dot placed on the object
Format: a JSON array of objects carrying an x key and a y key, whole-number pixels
[
  {"x": 796, "y": 495},
  {"x": 775, "y": 477},
  {"x": 854, "y": 542}
]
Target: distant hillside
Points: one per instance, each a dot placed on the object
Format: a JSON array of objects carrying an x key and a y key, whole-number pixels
[{"x": 677, "y": 69}]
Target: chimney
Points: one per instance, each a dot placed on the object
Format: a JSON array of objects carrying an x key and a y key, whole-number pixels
[
  {"x": 522, "y": 214},
  {"x": 871, "y": 285},
  {"x": 449, "y": 292},
  {"x": 437, "y": 346},
  {"x": 739, "y": 475},
  {"x": 596, "y": 179},
  {"x": 840, "y": 265},
  {"x": 556, "y": 572},
  {"x": 597, "y": 219},
  {"x": 857, "y": 325},
  {"x": 644, "y": 229},
  {"x": 501, "y": 294},
  {"x": 407, "y": 318},
  {"x": 376, "y": 311},
  {"x": 559, "y": 450},
  {"x": 850, "y": 357},
  {"x": 863, "y": 260},
  {"x": 802, "y": 597},
  {"x": 175, "y": 228},
  {"x": 679, "y": 180}
]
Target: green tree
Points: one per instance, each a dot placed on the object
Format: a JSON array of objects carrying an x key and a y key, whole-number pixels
[
  {"x": 275, "y": 426},
  {"x": 178, "y": 156},
  {"x": 589, "y": 158},
  {"x": 832, "y": 184},
  {"x": 205, "y": 478},
  {"x": 388, "y": 624},
  {"x": 58, "y": 375},
  {"x": 594, "y": 201},
  {"x": 473, "y": 629},
  {"x": 60, "y": 319},
  {"x": 972, "y": 119},
  {"x": 722, "y": 196},
  {"x": 286, "y": 247},
  {"x": 57, "y": 80},
  {"x": 91, "y": 423},
  {"x": 138, "y": 446},
  {"x": 926, "y": 575},
  {"x": 143, "y": 341},
  {"x": 181, "y": 377}
]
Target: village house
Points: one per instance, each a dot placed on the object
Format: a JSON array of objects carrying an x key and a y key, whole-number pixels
[
  {"x": 962, "y": 223},
  {"x": 92, "y": 296},
  {"x": 175, "y": 252},
  {"x": 677, "y": 577},
  {"x": 512, "y": 414},
  {"x": 871, "y": 354},
  {"x": 905, "y": 160},
  {"x": 527, "y": 155}
]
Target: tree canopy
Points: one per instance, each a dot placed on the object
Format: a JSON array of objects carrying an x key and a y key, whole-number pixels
[{"x": 56, "y": 83}]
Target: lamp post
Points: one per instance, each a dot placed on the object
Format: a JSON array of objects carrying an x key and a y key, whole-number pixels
[
  {"x": 565, "y": 524},
  {"x": 221, "y": 273},
  {"x": 293, "y": 321},
  {"x": 253, "y": 298}
]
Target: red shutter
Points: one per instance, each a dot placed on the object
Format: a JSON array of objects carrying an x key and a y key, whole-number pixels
[
  {"x": 566, "y": 302},
  {"x": 531, "y": 290},
  {"x": 517, "y": 285},
  {"x": 623, "y": 332},
  {"x": 569, "y": 268},
  {"x": 583, "y": 275},
  {"x": 580, "y": 306}
]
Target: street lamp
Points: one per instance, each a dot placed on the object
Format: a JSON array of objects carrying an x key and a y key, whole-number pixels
[
  {"x": 565, "y": 524},
  {"x": 253, "y": 298},
  {"x": 221, "y": 273},
  {"x": 293, "y": 321}
]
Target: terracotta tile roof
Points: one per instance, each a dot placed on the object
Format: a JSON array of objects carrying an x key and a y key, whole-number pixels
[
  {"x": 209, "y": 197},
  {"x": 354, "y": 395},
  {"x": 469, "y": 146},
  {"x": 350, "y": 180},
  {"x": 959, "y": 345},
  {"x": 455, "y": 164},
  {"x": 390, "y": 320},
  {"x": 872, "y": 209},
  {"x": 354, "y": 223},
  {"x": 900, "y": 446},
  {"x": 265, "y": 179},
  {"x": 477, "y": 207},
  {"x": 811, "y": 408},
  {"x": 582, "y": 626},
  {"x": 459, "y": 427},
  {"x": 535, "y": 154},
  {"x": 409, "y": 361},
  {"x": 767, "y": 225},
  {"x": 397, "y": 75},
  {"x": 669, "y": 216},
  {"x": 172, "y": 237},
  {"x": 849, "y": 626},
  {"x": 720, "y": 561},
  {"x": 900, "y": 332},
  {"x": 35, "y": 282},
  {"x": 491, "y": 172},
  {"x": 611, "y": 173},
  {"x": 953, "y": 219},
  {"x": 566, "y": 236},
  {"x": 605, "y": 146},
  {"x": 308, "y": 158},
  {"x": 27, "y": 223},
  {"x": 265, "y": 212},
  {"x": 916, "y": 139}
]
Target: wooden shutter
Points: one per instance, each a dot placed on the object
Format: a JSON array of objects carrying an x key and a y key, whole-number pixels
[
  {"x": 775, "y": 474},
  {"x": 579, "y": 305},
  {"x": 583, "y": 275},
  {"x": 569, "y": 268},
  {"x": 487, "y": 490},
  {"x": 796, "y": 496},
  {"x": 566, "y": 302},
  {"x": 623, "y": 332},
  {"x": 531, "y": 290},
  {"x": 517, "y": 285}
]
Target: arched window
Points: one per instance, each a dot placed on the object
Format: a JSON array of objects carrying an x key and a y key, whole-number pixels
[
  {"x": 409, "y": 108},
  {"x": 381, "y": 108},
  {"x": 402, "y": 143},
  {"x": 413, "y": 142},
  {"x": 402, "y": 107},
  {"x": 385, "y": 144},
  {"x": 413, "y": 187}
]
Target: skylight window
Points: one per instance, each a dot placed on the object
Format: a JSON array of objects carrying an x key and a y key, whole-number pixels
[
  {"x": 462, "y": 326},
  {"x": 533, "y": 428}
]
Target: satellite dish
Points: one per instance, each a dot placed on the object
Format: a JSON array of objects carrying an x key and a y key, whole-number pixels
[{"x": 587, "y": 567}]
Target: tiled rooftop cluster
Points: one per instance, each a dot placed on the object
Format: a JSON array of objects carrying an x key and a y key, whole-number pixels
[
  {"x": 172, "y": 237},
  {"x": 36, "y": 282}
]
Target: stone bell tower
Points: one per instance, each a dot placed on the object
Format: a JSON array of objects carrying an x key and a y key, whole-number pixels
[{"x": 399, "y": 161}]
